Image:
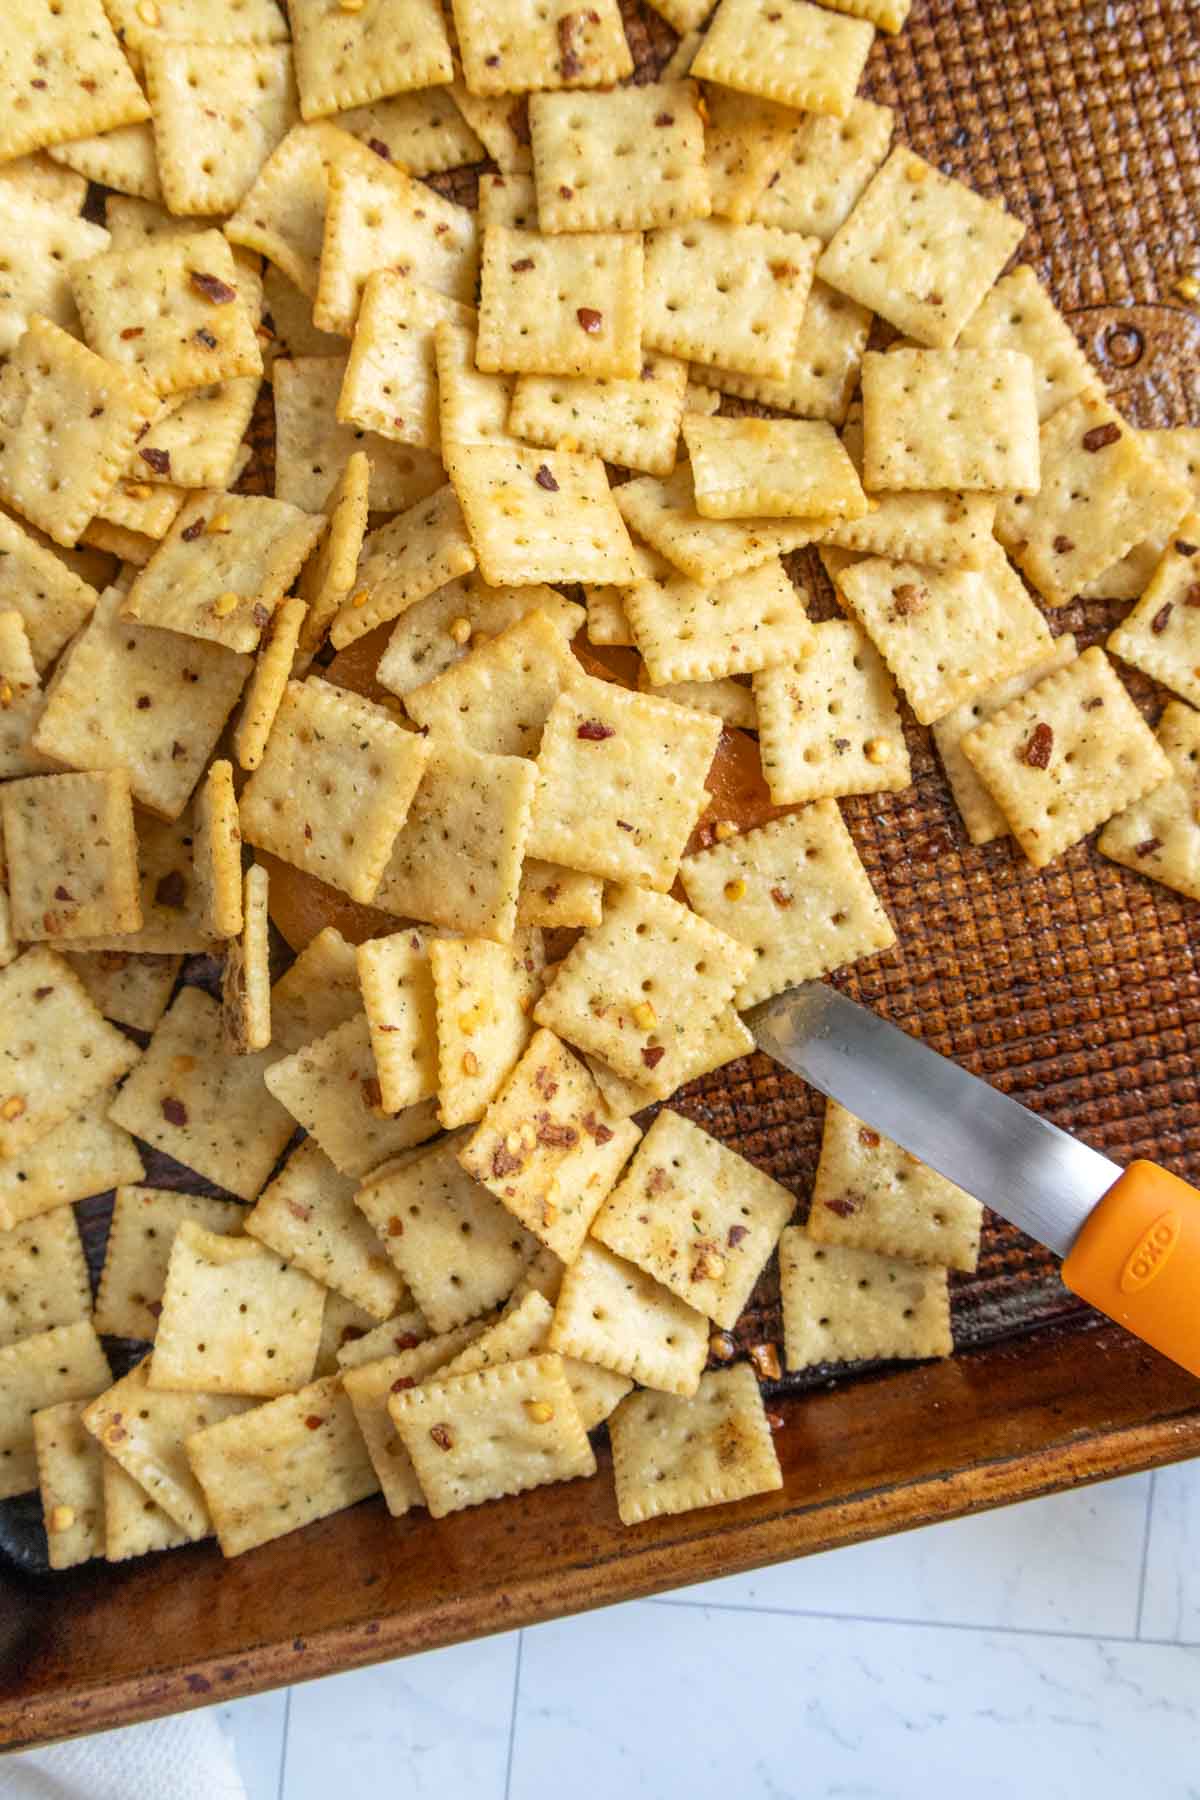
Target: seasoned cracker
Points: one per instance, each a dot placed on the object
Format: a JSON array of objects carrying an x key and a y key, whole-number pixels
[
  {"x": 21, "y": 701},
  {"x": 745, "y": 141},
  {"x": 723, "y": 1041},
  {"x": 633, "y": 423},
  {"x": 498, "y": 697},
  {"x": 195, "y": 441},
  {"x": 552, "y": 895},
  {"x": 501, "y": 122},
  {"x": 827, "y": 166},
  {"x": 566, "y": 305},
  {"x": 483, "y": 995},
  {"x": 824, "y": 371},
  {"x": 607, "y": 620},
  {"x": 515, "y": 46},
  {"x": 796, "y": 54},
  {"x": 369, "y": 1387},
  {"x": 307, "y": 1215},
  {"x": 219, "y": 112},
  {"x": 123, "y": 159},
  {"x": 378, "y": 217},
  {"x": 960, "y": 419},
  {"x": 52, "y": 600},
  {"x": 41, "y": 178},
  {"x": 397, "y": 989},
  {"x": 327, "y": 579},
  {"x": 663, "y": 512},
  {"x": 69, "y": 1474},
  {"x": 844, "y": 1305},
  {"x": 134, "y": 1524},
  {"x": 472, "y": 407},
  {"x": 72, "y": 855},
  {"x": 1178, "y": 448},
  {"x": 343, "y": 1325},
  {"x": 1018, "y": 314},
  {"x": 620, "y": 161},
  {"x": 1159, "y": 835},
  {"x": 745, "y": 468},
  {"x": 172, "y": 916},
  {"x": 56, "y": 1051},
  {"x": 140, "y": 1234},
  {"x": 246, "y": 977},
  {"x": 288, "y": 318},
  {"x": 132, "y": 548},
  {"x": 726, "y": 699},
  {"x": 540, "y": 515},
  {"x": 197, "y": 21},
  {"x": 348, "y": 58},
  {"x": 522, "y": 1330},
  {"x": 402, "y": 1332},
  {"x": 687, "y": 631},
  {"x": 43, "y": 1276},
  {"x": 945, "y": 530},
  {"x": 66, "y": 1363},
  {"x": 62, "y": 75},
  {"x": 672, "y": 1455},
  {"x": 612, "y": 1313},
  {"x": 36, "y": 281},
  {"x": 410, "y": 557},
  {"x": 508, "y": 200},
  {"x": 729, "y": 294},
  {"x": 423, "y": 131},
  {"x": 129, "y": 989},
  {"x": 142, "y": 507},
  {"x": 282, "y": 216},
  {"x": 390, "y": 384},
  {"x": 330, "y": 1087},
  {"x": 85, "y": 1155},
  {"x": 318, "y": 992},
  {"x": 312, "y": 450},
  {"x": 437, "y": 632},
  {"x": 268, "y": 684},
  {"x": 217, "y": 852},
  {"x": 1161, "y": 636},
  {"x": 830, "y": 725}
]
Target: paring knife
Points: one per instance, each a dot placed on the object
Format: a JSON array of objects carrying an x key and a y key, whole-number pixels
[{"x": 1130, "y": 1238}]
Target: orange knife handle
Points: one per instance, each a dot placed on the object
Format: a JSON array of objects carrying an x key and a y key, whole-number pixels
[{"x": 1137, "y": 1259}]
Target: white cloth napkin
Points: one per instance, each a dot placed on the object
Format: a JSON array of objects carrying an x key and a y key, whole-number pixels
[{"x": 184, "y": 1758}]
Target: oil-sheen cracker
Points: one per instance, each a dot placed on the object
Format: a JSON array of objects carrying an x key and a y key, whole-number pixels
[
  {"x": 219, "y": 111},
  {"x": 72, "y": 855},
  {"x": 140, "y": 1234},
  {"x": 829, "y": 725},
  {"x": 331, "y": 1088},
  {"x": 612, "y": 1313},
  {"x": 797, "y": 54},
  {"x": 747, "y": 468},
  {"x": 671, "y": 1455},
  {"x": 65, "y": 1363},
  {"x": 1161, "y": 636},
  {"x": 312, "y": 450},
  {"x": 625, "y": 160},
  {"x": 1159, "y": 835},
  {"x": 307, "y": 1214},
  {"x": 540, "y": 515},
  {"x": 565, "y": 305},
  {"x": 483, "y": 994},
  {"x": 515, "y": 45},
  {"x": 56, "y": 1051},
  {"x": 87, "y": 1154},
  {"x": 828, "y": 164},
  {"x": 62, "y": 75},
  {"x": 845, "y": 1305},
  {"x": 966, "y": 420},
  {"x": 69, "y": 1475},
  {"x": 44, "y": 1278},
  {"x": 349, "y": 56},
  {"x": 733, "y": 295}
]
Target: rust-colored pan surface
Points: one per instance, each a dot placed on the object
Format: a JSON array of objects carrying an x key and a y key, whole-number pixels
[{"x": 1076, "y": 990}]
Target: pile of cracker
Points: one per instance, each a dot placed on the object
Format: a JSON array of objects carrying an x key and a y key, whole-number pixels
[{"x": 432, "y": 1224}]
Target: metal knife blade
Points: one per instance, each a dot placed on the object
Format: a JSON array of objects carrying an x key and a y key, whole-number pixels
[{"x": 1015, "y": 1162}]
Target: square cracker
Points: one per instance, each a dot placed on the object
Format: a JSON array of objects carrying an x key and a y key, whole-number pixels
[
  {"x": 566, "y": 305},
  {"x": 554, "y": 896},
  {"x": 633, "y": 423},
  {"x": 369, "y": 1387},
  {"x": 123, "y": 159},
  {"x": 93, "y": 718},
  {"x": 672, "y": 1455},
  {"x": 745, "y": 140},
  {"x": 312, "y": 450},
  {"x": 68, "y": 424},
  {"x": 723, "y": 1041},
  {"x": 134, "y": 1525},
  {"x": 246, "y": 976},
  {"x": 173, "y": 921},
  {"x": 498, "y": 697},
  {"x": 87, "y": 1154},
  {"x": 920, "y": 249},
  {"x": 424, "y": 131},
  {"x": 411, "y": 556},
  {"x": 508, "y": 200},
  {"x": 620, "y": 161},
  {"x": 42, "y": 178},
  {"x": 830, "y": 724},
  {"x": 744, "y": 468},
  {"x": 52, "y": 600},
  {"x": 334, "y": 786},
  {"x": 945, "y": 634},
  {"x": 140, "y": 1234},
  {"x": 472, "y": 407},
  {"x": 390, "y": 385},
  {"x": 197, "y": 21},
  {"x": 1178, "y": 449},
  {"x": 21, "y": 701},
  {"x": 516, "y": 46},
  {"x": 872, "y": 1195},
  {"x": 483, "y": 994},
  {"x": 607, "y": 621},
  {"x": 1066, "y": 756},
  {"x": 56, "y": 1051},
  {"x": 664, "y": 513},
  {"x": 72, "y": 855},
  {"x": 174, "y": 312},
  {"x": 129, "y": 989},
  {"x": 698, "y": 1218},
  {"x": 282, "y": 216},
  {"x": 612, "y": 1313},
  {"x": 641, "y": 989},
  {"x": 501, "y": 122},
  {"x": 726, "y": 698},
  {"x": 307, "y": 1215},
  {"x": 456, "y": 861},
  {"x": 522, "y": 1330},
  {"x": 347, "y": 57},
  {"x": 1161, "y": 636},
  {"x": 318, "y": 992},
  {"x": 378, "y": 217},
  {"x": 43, "y": 1276},
  {"x": 827, "y": 166},
  {"x": 36, "y": 281},
  {"x": 66, "y": 1363},
  {"x": 219, "y": 111},
  {"x": 201, "y": 1106},
  {"x": 62, "y": 75},
  {"x": 825, "y": 368},
  {"x": 1159, "y": 835},
  {"x": 496, "y": 1431},
  {"x": 540, "y": 515},
  {"x": 620, "y": 782},
  {"x": 327, "y": 578},
  {"x": 223, "y": 568},
  {"x": 282, "y": 1465},
  {"x": 429, "y": 638},
  {"x": 265, "y": 690},
  {"x": 797, "y": 54},
  {"x": 397, "y": 991},
  {"x": 729, "y": 294},
  {"x": 945, "y": 530},
  {"x": 235, "y": 1318},
  {"x": 1018, "y": 314},
  {"x": 688, "y": 631},
  {"x": 459, "y": 1249},
  {"x": 195, "y": 441},
  {"x": 796, "y": 893},
  {"x": 330, "y": 1087},
  {"x": 844, "y": 1305},
  {"x": 69, "y": 1473},
  {"x": 961, "y": 419}
]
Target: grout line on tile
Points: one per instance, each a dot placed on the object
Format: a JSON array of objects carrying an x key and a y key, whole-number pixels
[
  {"x": 512, "y": 1723},
  {"x": 283, "y": 1747},
  {"x": 1141, "y": 1601}
]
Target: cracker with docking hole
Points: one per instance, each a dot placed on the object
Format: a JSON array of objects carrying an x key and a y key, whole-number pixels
[
  {"x": 172, "y": 917},
  {"x": 551, "y": 895},
  {"x": 847, "y": 1305},
  {"x": 378, "y": 217},
  {"x": 195, "y": 441},
  {"x": 41, "y": 178},
  {"x": 334, "y": 786},
  {"x": 483, "y": 994},
  {"x": 872, "y": 1195},
  {"x": 202, "y": 1107},
  {"x": 540, "y": 515},
  {"x": 959, "y": 419},
  {"x": 141, "y": 506},
  {"x": 641, "y": 990},
  {"x": 397, "y": 990},
  {"x": 687, "y": 631},
  {"x": 369, "y": 1387},
  {"x": 621, "y": 161},
  {"x": 72, "y": 855},
  {"x": 69, "y": 1476},
  {"x": 799, "y": 55},
  {"x": 134, "y": 1525},
  {"x": 312, "y": 450},
  {"x": 307, "y": 1215},
  {"x": 1178, "y": 448},
  {"x": 565, "y": 305},
  {"x": 422, "y": 130},
  {"x": 327, "y": 578},
  {"x": 952, "y": 531},
  {"x": 124, "y": 159},
  {"x": 282, "y": 216},
  {"x": 174, "y": 312},
  {"x": 140, "y": 1233},
  {"x": 350, "y": 56},
  {"x": 459, "y": 1249},
  {"x": 1161, "y": 636},
  {"x": 217, "y": 852},
  {"x": 390, "y": 385},
  {"x": 52, "y": 600},
  {"x": 128, "y": 989},
  {"x": 196, "y": 21},
  {"x": 745, "y": 140},
  {"x": 268, "y": 684},
  {"x": 632, "y": 423},
  {"x": 219, "y": 111},
  {"x": 946, "y": 634},
  {"x": 56, "y": 1051},
  {"x": 695, "y": 1216},
  {"x": 317, "y": 993},
  {"x": 501, "y": 122},
  {"x": 86, "y": 1154},
  {"x": 330, "y": 1087},
  {"x": 830, "y": 724},
  {"x": 612, "y": 1313},
  {"x": 457, "y": 858},
  {"x": 65, "y": 1363},
  {"x": 583, "y": 1181},
  {"x": 494, "y": 1432},
  {"x": 508, "y": 200},
  {"x": 63, "y": 75},
  {"x": 543, "y": 1276},
  {"x": 607, "y": 621},
  {"x": 726, "y": 699},
  {"x": 282, "y": 1465},
  {"x": 673, "y": 1455},
  {"x": 472, "y": 407},
  {"x": 401, "y": 1332},
  {"x": 342, "y": 1326},
  {"x": 1159, "y": 835},
  {"x": 828, "y": 164},
  {"x": 434, "y": 634},
  {"x": 235, "y": 1318},
  {"x": 1066, "y": 756},
  {"x": 498, "y": 697},
  {"x": 43, "y": 1276},
  {"x": 824, "y": 371},
  {"x": 246, "y": 976},
  {"x": 21, "y": 701},
  {"x": 514, "y": 46},
  {"x": 69, "y": 421},
  {"x": 410, "y": 557},
  {"x": 663, "y": 512},
  {"x": 36, "y": 281},
  {"x": 729, "y": 294},
  {"x": 745, "y": 468},
  {"x": 1018, "y": 314},
  {"x": 292, "y": 330},
  {"x": 522, "y": 1330},
  {"x": 920, "y": 249},
  {"x": 796, "y": 893},
  {"x": 94, "y": 716}
]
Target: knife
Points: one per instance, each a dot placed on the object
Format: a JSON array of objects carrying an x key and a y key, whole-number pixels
[{"x": 1129, "y": 1238}]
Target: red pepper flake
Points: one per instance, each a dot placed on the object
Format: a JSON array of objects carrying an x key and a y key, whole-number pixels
[
  {"x": 736, "y": 1234},
  {"x": 1092, "y": 704},
  {"x": 1192, "y": 597},
  {"x": 868, "y": 1137},
  {"x": 206, "y": 338},
  {"x": 160, "y": 462},
  {"x": 191, "y": 532},
  {"x": 37, "y": 82},
  {"x": 1162, "y": 619},
  {"x": 133, "y": 331},
  {"x": 907, "y": 598},
  {"x": 765, "y": 1358},
  {"x": 297, "y": 1210},
  {"x": 653, "y": 1054},
  {"x": 518, "y": 120},
  {"x": 62, "y": 893},
  {"x": 42, "y": 993},
  {"x": 1100, "y": 437},
  {"x": 565, "y": 192},
  {"x": 212, "y": 287},
  {"x": 504, "y": 1161},
  {"x": 372, "y": 1093},
  {"x": 589, "y": 318},
  {"x": 1063, "y": 546},
  {"x": 174, "y": 1111},
  {"x": 395, "y": 1227},
  {"x": 624, "y": 825},
  {"x": 178, "y": 751},
  {"x": 774, "y": 1421},
  {"x": 380, "y": 148},
  {"x": 402, "y": 1383},
  {"x": 545, "y": 479},
  {"x": 406, "y": 1340},
  {"x": 843, "y": 1206},
  {"x": 594, "y": 731},
  {"x": 521, "y": 265},
  {"x": 780, "y": 897},
  {"x": 595, "y": 1129},
  {"x": 1183, "y": 548},
  {"x": 1148, "y": 846},
  {"x": 664, "y": 118},
  {"x": 1037, "y": 750},
  {"x": 558, "y": 1137},
  {"x": 492, "y": 61},
  {"x": 171, "y": 889},
  {"x": 442, "y": 1436},
  {"x": 570, "y": 62},
  {"x": 543, "y": 1080},
  {"x": 314, "y": 1421}
]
